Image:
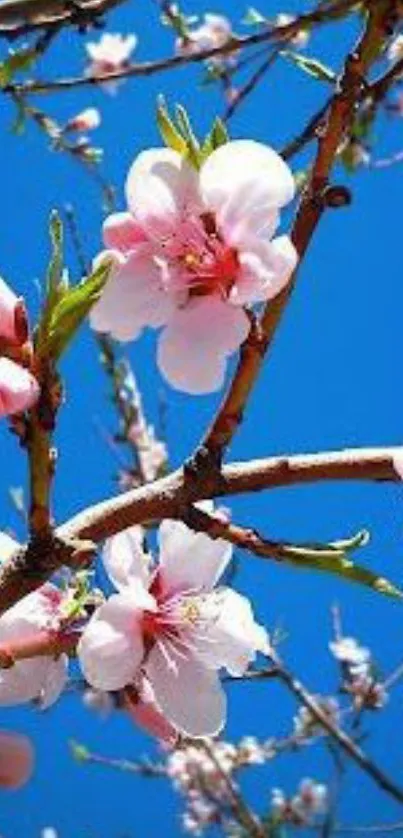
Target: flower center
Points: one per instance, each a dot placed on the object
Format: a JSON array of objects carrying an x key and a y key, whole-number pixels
[{"x": 207, "y": 265}]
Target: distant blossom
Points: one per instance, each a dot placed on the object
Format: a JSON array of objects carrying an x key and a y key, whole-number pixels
[
  {"x": 108, "y": 55},
  {"x": 86, "y": 120}
]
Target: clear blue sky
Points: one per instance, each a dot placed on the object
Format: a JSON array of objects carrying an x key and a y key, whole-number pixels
[{"x": 333, "y": 381}]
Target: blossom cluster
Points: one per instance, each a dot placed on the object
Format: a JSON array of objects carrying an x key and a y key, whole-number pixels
[
  {"x": 358, "y": 674},
  {"x": 300, "y": 810}
]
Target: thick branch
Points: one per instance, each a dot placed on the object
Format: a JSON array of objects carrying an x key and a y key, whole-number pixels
[
  {"x": 17, "y": 17},
  {"x": 166, "y": 498}
]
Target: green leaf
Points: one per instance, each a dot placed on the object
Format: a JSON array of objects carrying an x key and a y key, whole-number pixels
[
  {"x": 334, "y": 558},
  {"x": 186, "y": 130},
  {"x": 73, "y": 308},
  {"x": 169, "y": 133},
  {"x": 5, "y": 74},
  {"x": 311, "y": 66},
  {"x": 56, "y": 280},
  {"x": 217, "y": 137}
]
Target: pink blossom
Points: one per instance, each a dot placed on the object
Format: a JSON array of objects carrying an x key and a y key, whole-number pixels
[
  {"x": 110, "y": 54},
  {"x": 40, "y": 678},
  {"x": 16, "y": 760},
  {"x": 86, "y": 120},
  {"x": 215, "y": 31},
  {"x": 19, "y": 389},
  {"x": 194, "y": 249},
  {"x": 172, "y": 626}
]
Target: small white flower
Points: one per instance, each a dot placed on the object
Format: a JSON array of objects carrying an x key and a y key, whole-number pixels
[
  {"x": 395, "y": 50},
  {"x": 299, "y": 40}
]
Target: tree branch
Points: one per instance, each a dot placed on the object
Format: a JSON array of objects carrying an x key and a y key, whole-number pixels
[
  {"x": 346, "y": 743},
  {"x": 148, "y": 68},
  {"x": 18, "y": 17},
  {"x": 72, "y": 544}
]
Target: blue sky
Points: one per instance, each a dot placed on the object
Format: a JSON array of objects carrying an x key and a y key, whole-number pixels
[{"x": 333, "y": 381}]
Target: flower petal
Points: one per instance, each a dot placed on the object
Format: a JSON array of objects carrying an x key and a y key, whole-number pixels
[
  {"x": 54, "y": 680},
  {"x": 145, "y": 713},
  {"x": 193, "y": 348},
  {"x": 232, "y": 637},
  {"x": 111, "y": 648},
  {"x": 7, "y": 546},
  {"x": 265, "y": 270},
  {"x": 190, "y": 561},
  {"x": 133, "y": 298},
  {"x": 125, "y": 559},
  {"x": 19, "y": 389},
  {"x": 243, "y": 167},
  {"x": 160, "y": 187},
  {"x": 188, "y": 694},
  {"x": 121, "y": 232}
]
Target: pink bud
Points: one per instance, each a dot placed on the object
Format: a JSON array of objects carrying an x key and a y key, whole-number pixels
[
  {"x": 16, "y": 760},
  {"x": 19, "y": 389},
  {"x": 86, "y": 120}
]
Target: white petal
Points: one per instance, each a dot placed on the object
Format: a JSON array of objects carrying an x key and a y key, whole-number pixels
[
  {"x": 133, "y": 298},
  {"x": 232, "y": 637},
  {"x": 265, "y": 270},
  {"x": 160, "y": 187},
  {"x": 241, "y": 167},
  {"x": 125, "y": 559},
  {"x": 54, "y": 681},
  {"x": 111, "y": 648},
  {"x": 190, "y": 561},
  {"x": 121, "y": 232},
  {"x": 193, "y": 348},
  {"x": 7, "y": 546},
  {"x": 188, "y": 694}
]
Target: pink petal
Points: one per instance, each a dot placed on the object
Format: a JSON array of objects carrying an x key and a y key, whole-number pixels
[
  {"x": 125, "y": 559},
  {"x": 16, "y": 760},
  {"x": 160, "y": 187},
  {"x": 265, "y": 269},
  {"x": 193, "y": 348},
  {"x": 146, "y": 714},
  {"x": 242, "y": 165},
  {"x": 121, "y": 232},
  {"x": 188, "y": 694},
  {"x": 132, "y": 299},
  {"x": 231, "y": 635},
  {"x": 111, "y": 648},
  {"x": 19, "y": 389},
  {"x": 190, "y": 561}
]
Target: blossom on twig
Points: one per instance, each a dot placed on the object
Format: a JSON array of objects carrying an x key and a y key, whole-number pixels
[
  {"x": 194, "y": 249},
  {"x": 172, "y": 626}
]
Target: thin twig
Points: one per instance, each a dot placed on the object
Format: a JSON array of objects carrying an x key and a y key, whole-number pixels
[
  {"x": 347, "y": 744},
  {"x": 148, "y": 68}
]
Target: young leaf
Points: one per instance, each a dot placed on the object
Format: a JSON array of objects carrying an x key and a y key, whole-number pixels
[
  {"x": 334, "y": 558},
  {"x": 186, "y": 130},
  {"x": 218, "y": 136},
  {"x": 72, "y": 309},
  {"x": 253, "y": 17},
  {"x": 169, "y": 133},
  {"x": 311, "y": 66}
]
